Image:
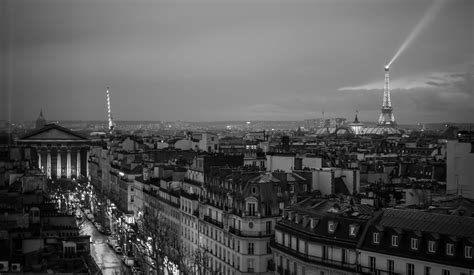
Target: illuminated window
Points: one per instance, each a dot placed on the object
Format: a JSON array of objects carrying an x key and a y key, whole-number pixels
[
  {"x": 449, "y": 249},
  {"x": 331, "y": 227},
  {"x": 431, "y": 246},
  {"x": 394, "y": 240},
  {"x": 353, "y": 229},
  {"x": 468, "y": 252},
  {"x": 376, "y": 237},
  {"x": 414, "y": 243}
]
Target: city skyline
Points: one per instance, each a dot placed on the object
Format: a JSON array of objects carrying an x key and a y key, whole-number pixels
[{"x": 214, "y": 61}]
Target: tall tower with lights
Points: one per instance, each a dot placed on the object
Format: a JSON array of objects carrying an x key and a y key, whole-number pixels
[
  {"x": 386, "y": 117},
  {"x": 109, "y": 113}
]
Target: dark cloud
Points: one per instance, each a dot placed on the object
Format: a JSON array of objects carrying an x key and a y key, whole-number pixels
[{"x": 223, "y": 60}]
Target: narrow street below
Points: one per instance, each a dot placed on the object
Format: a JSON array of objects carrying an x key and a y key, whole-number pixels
[{"x": 108, "y": 261}]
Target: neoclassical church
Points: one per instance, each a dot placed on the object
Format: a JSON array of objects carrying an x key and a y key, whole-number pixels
[{"x": 60, "y": 152}]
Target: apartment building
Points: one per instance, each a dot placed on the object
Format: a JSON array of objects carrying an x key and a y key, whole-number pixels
[
  {"x": 319, "y": 236},
  {"x": 415, "y": 242},
  {"x": 238, "y": 212}
]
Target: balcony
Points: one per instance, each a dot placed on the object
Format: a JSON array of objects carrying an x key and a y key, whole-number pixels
[
  {"x": 249, "y": 233},
  {"x": 368, "y": 270},
  {"x": 193, "y": 182},
  {"x": 213, "y": 221},
  {"x": 313, "y": 259}
]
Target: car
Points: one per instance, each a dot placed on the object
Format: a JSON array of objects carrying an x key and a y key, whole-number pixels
[
  {"x": 118, "y": 249},
  {"x": 112, "y": 243},
  {"x": 136, "y": 270}
]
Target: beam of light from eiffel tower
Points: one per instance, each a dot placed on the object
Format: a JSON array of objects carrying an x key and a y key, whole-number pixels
[{"x": 427, "y": 17}]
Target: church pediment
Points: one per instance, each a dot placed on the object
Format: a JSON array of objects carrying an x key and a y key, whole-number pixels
[{"x": 53, "y": 132}]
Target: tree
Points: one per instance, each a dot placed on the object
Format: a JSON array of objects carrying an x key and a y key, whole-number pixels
[{"x": 157, "y": 242}]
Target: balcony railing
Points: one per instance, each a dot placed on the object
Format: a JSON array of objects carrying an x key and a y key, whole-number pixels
[
  {"x": 213, "y": 221},
  {"x": 193, "y": 182},
  {"x": 369, "y": 270},
  {"x": 314, "y": 259},
  {"x": 249, "y": 233}
]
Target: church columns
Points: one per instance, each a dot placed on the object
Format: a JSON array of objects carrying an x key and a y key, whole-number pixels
[
  {"x": 48, "y": 164},
  {"x": 68, "y": 164},
  {"x": 87, "y": 163},
  {"x": 38, "y": 150},
  {"x": 58, "y": 165},
  {"x": 78, "y": 165}
]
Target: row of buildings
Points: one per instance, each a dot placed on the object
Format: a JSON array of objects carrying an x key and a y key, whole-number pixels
[
  {"x": 298, "y": 213},
  {"x": 290, "y": 207}
]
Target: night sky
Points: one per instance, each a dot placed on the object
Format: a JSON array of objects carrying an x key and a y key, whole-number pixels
[{"x": 234, "y": 60}]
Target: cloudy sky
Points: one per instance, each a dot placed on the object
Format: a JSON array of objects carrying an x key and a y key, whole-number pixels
[{"x": 234, "y": 60}]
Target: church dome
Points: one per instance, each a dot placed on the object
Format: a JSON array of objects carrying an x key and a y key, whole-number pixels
[{"x": 41, "y": 121}]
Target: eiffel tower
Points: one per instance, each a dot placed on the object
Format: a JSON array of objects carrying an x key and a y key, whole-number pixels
[{"x": 386, "y": 117}]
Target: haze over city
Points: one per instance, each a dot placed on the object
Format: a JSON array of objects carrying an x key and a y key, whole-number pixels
[
  {"x": 236, "y": 137},
  {"x": 234, "y": 60}
]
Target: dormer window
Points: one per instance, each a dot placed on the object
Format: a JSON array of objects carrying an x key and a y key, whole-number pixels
[
  {"x": 431, "y": 246},
  {"x": 314, "y": 223},
  {"x": 353, "y": 229},
  {"x": 468, "y": 252},
  {"x": 414, "y": 244},
  {"x": 254, "y": 190},
  {"x": 449, "y": 249},
  {"x": 395, "y": 240},
  {"x": 332, "y": 226},
  {"x": 292, "y": 188},
  {"x": 376, "y": 237}
]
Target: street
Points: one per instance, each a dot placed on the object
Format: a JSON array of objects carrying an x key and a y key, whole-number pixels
[{"x": 108, "y": 261}]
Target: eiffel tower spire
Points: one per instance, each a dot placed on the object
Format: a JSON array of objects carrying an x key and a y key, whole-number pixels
[{"x": 387, "y": 117}]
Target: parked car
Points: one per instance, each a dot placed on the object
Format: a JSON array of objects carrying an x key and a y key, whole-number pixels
[
  {"x": 118, "y": 249},
  {"x": 136, "y": 270},
  {"x": 112, "y": 242}
]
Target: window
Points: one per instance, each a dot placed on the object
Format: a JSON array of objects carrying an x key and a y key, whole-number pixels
[
  {"x": 353, "y": 228},
  {"x": 445, "y": 272},
  {"x": 410, "y": 269},
  {"x": 449, "y": 249},
  {"x": 376, "y": 237},
  {"x": 390, "y": 267},
  {"x": 250, "y": 264},
  {"x": 394, "y": 240},
  {"x": 251, "y": 209},
  {"x": 251, "y": 249},
  {"x": 431, "y": 246},
  {"x": 254, "y": 190},
  {"x": 344, "y": 256},
  {"x": 427, "y": 270},
  {"x": 331, "y": 227},
  {"x": 372, "y": 263},
  {"x": 414, "y": 243},
  {"x": 468, "y": 252}
]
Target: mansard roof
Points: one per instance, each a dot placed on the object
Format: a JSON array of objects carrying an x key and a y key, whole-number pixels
[
  {"x": 326, "y": 222},
  {"x": 407, "y": 224},
  {"x": 428, "y": 222}
]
